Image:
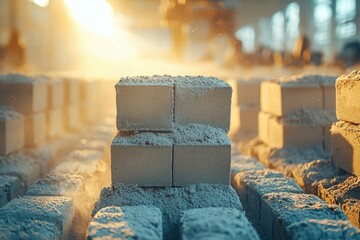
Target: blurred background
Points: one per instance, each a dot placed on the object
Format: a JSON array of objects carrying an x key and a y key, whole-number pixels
[{"x": 208, "y": 37}]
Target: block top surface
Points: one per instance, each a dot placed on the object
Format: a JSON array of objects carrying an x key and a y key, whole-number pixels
[
  {"x": 192, "y": 134},
  {"x": 166, "y": 80},
  {"x": 7, "y": 113},
  {"x": 310, "y": 80},
  {"x": 309, "y": 117},
  {"x": 15, "y": 78},
  {"x": 353, "y": 76},
  {"x": 347, "y": 127}
]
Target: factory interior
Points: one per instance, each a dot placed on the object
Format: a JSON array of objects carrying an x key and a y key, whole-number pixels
[{"x": 180, "y": 119}]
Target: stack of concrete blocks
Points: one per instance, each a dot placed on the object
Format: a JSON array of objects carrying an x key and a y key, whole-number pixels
[
  {"x": 345, "y": 133},
  {"x": 297, "y": 111},
  {"x": 245, "y": 108},
  {"x": 165, "y": 125},
  {"x": 71, "y": 104},
  {"x": 90, "y": 100},
  {"x": 28, "y": 96}
]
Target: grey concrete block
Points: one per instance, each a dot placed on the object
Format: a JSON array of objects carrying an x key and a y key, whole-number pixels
[
  {"x": 127, "y": 222},
  {"x": 10, "y": 187},
  {"x": 11, "y": 130},
  {"x": 216, "y": 223}
]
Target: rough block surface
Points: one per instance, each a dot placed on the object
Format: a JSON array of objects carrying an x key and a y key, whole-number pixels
[
  {"x": 11, "y": 130},
  {"x": 348, "y": 97},
  {"x": 216, "y": 223},
  {"x": 35, "y": 128},
  {"x": 171, "y": 201},
  {"x": 9, "y": 188},
  {"x": 127, "y": 222},
  {"x": 346, "y": 146}
]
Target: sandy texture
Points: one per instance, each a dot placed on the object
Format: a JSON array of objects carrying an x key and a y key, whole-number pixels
[
  {"x": 310, "y": 175},
  {"x": 311, "y": 229},
  {"x": 310, "y": 117},
  {"x": 216, "y": 223},
  {"x": 345, "y": 80},
  {"x": 307, "y": 79},
  {"x": 56, "y": 210},
  {"x": 241, "y": 163},
  {"x": 128, "y": 223},
  {"x": 348, "y": 126},
  {"x": 192, "y": 134},
  {"x": 171, "y": 201},
  {"x": 29, "y": 230},
  {"x": 57, "y": 185},
  {"x": 7, "y": 113},
  {"x": 173, "y": 80},
  {"x": 10, "y": 187},
  {"x": 21, "y": 166}
]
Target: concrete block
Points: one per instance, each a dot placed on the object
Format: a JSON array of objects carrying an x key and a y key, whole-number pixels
[
  {"x": 144, "y": 104},
  {"x": 329, "y": 94},
  {"x": 55, "y": 210},
  {"x": 242, "y": 163},
  {"x": 283, "y": 134},
  {"x": 309, "y": 229},
  {"x": 55, "y": 122},
  {"x": 263, "y": 126},
  {"x": 283, "y": 98},
  {"x": 345, "y": 147},
  {"x": 71, "y": 117},
  {"x": 216, "y": 223},
  {"x": 201, "y": 155},
  {"x": 143, "y": 158},
  {"x": 249, "y": 92},
  {"x": 56, "y": 95},
  {"x": 234, "y": 121},
  {"x": 249, "y": 118},
  {"x": 348, "y": 97},
  {"x": 280, "y": 210},
  {"x": 25, "y": 94},
  {"x": 28, "y": 230},
  {"x": 21, "y": 166},
  {"x": 35, "y": 129},
  {"x": 128, "y": 222},
  {"x": 66, "y": 185},
  {"x": 9, "y": 188},
  {"x": 202, "y": 100},
  {"x": 71, "y": 91},
  {"x": 11, "y": 130},
  {"x": 171, "y": 201}
]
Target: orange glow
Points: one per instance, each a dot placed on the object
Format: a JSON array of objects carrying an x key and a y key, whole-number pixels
[{"x": 96, "y": 16}]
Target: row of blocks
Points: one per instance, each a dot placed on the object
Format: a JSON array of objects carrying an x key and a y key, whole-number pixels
[
  {"x": 297, "y": 111},
  {"x": 188, "y": 155},
  {"x": 46, "y": 106},
  {"x": 278, "y": 208},
  {"x": 345, "y": 133},
  {"x": 159, "y": 103},
  {"x": 57, "y": 206},
  {"x": 220, "y": 223}
]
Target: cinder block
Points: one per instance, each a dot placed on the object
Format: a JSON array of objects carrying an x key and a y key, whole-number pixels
[
  {"x": 348, "y": 97},
  {"x": 145, "y": 103},
  {"x": 55, "y": 122},
  {"x": 345, "y": 147},
  {"x": 283, "y": 134},
  {"x": 280, "y": 210},
  {"x": 29, "y": 229},
  {"x": 216, "y": 223},
  {"x": 66, "y": 185},
  {"x": 35, "y": 128},
  {"x": 201, "y": 155},
  {"x": 142, "y": 158},
  {"x": 234, "y": 97},
  {"x": 9, "y": 188},
  {"x": 249, "y": 119},
  {"x": 71, "y": 91},
  {"x": 309, "y": 229},
  {"x": 329, "y": 94},
  {"x": 178, "y": 199},
  {"x": 263, "y": 126},
  {"x": 21, "y": 166},
  {"x": 11, "y": 130},
  {"x": 55, "y": 210},
  {"x": 56, "y": 96},
  {"x": 25, "y": 94},
  {"x": 71, "y": 117},
  {"x": 242, "y": 163},
  {"x": 202, "y": 100},
  {"x": 283, "y": 98},
  {"x": 249, "y": 92},
  {"x": 128, "y": 222},
  {"x": 234, "y": 121}
]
